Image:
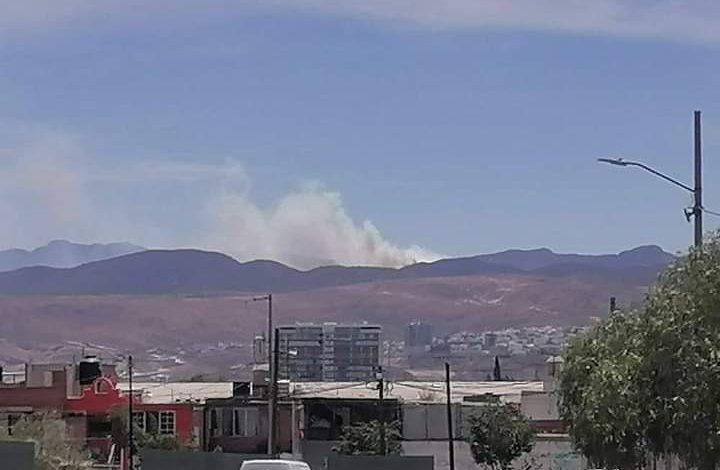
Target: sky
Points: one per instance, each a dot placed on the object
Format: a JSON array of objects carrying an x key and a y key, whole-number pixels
[{"x": 356, "y": 132}]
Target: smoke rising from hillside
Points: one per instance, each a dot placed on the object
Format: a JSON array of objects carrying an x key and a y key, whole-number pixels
[
  {"x": 306, "y": 228},
  {"x": 50, "y": 189}
]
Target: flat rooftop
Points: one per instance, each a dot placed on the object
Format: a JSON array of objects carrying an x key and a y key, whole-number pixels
[{"x": 415, "y": 391}]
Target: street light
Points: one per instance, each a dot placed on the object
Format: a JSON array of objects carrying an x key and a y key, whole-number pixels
[
  {"x": 696, "y": 211},
  {"x": 621, "y": 162}
]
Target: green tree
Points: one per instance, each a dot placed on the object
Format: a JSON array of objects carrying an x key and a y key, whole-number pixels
[
  {"x": 601, "y": 401},
  {"x": 499, "y": 434},
  {"x": 364, "y": 439},
  {"x": 681, "y": 367},
  {"x": 143, "y": 440},
  {"x": 648, "y": 382},
  {"x": 54, "y": 450}
]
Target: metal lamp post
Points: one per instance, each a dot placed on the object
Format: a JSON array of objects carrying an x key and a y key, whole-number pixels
[{"x": 696, "y": 211}]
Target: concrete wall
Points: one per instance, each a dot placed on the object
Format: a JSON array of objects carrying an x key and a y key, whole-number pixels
[
  {"x": 320, "y": 456},
  {"x": 51, "y": 397},
  {"x": 422, "y": 422},
  {"x": 540, "y": 406},
  {"x": 551, "y": 452},
  {"x": 316, "y": 453},
  {"x": 346, "y": 462},
  {"x": 17, "y": 455},
  {"x": 164, "y": 460},
  {"x": 555, "y": 452},
  {"x": 428, "y": 421}
]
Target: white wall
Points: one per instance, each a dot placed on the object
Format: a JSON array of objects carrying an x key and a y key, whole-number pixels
[{"x": 540, "y": 406}]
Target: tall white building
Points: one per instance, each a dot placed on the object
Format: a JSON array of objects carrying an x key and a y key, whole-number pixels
[{"x": 329, "y": 352}]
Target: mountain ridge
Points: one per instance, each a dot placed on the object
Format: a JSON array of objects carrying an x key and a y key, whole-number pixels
[
  {"x": 190, "y": 271},
  {"x": 63, "y": 254}
]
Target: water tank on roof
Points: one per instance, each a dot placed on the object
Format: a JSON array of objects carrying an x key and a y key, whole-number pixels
[{"x": 89, "y": 370}]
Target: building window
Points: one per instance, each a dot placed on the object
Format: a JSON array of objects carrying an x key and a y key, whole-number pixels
[
  {"x": 245, "y": 422},
  {"x": 102, "y": 387},
  {"x": 214, "y": 423},
  {"x": 166, "y": 422},
  {"x": 140, "y": 420},
  {"x": 12, "y": 420}
]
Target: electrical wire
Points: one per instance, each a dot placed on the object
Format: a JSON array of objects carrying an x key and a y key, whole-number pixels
[
  {"x": 326, "y": 390},
  {"x": 426, "y": 388},
  {"x": 708, "y": 211}
]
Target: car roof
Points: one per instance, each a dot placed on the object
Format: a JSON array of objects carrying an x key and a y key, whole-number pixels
[{"x": 273, "y": 461}]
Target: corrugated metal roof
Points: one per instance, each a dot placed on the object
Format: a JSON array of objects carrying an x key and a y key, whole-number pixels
[
  {"x": 176, "y": 392},
  {"x": 415, "y": 392}
]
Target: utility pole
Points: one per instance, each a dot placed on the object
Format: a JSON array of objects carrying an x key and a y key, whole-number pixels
[
  {"x": 131, "y": 424},
  {"x": 451, "y": 444},
  {"x": 271, "y": 403},
  {"x": 274, "y": 393},
  {"x": 497, "y": 373},
  {"x": 697, "y": 209},
  {"x": 697, "y": 192},
  {"x": 381, "y": 411}
]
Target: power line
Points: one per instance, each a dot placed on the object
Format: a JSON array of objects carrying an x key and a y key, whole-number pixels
[{"x": 708, "y": 211}]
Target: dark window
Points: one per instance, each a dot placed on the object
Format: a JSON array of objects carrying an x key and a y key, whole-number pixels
[
  {"x": 245, "y": 422},
  {"x": 12, "y": 420}
]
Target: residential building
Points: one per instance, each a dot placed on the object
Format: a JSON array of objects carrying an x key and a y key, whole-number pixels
[
  {"x": 418, "y": 335},
  {"x": 239, "y": 424},
  {"x": 329, "y": 352},
  {"x": 490, "y": 339},
  {"x": 20, "y": 398},
  {"x": 418, "y": 341},
  {"x": 260, "y": 355},
  {"x": 542, "y": 407},
  {"x": 321, "y": 410},
  {"x": 86, "y": 395}
]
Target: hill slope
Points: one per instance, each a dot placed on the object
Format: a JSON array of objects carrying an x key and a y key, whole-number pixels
[
  {"x": 528, "y": 260},
  {"x": 196, "y": 303},
  {"x": 451, "y": 304},
  {"x": 201, "y": 272},
  {"x": 63, "y": 254}
]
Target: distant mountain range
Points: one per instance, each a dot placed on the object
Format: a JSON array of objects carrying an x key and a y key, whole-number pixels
[
  {"x": 63, "y": 254},
  {"x": 190, "y": 299},
  {"x": 201, "y": 272}
]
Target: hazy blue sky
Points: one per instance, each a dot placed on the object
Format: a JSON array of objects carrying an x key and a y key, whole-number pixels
[{"x": 354, "y": 131}]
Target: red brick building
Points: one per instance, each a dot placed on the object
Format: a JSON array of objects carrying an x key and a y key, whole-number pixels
[
  {"x": 97, "y": 401},
  {"x": 87, "y": 409}
]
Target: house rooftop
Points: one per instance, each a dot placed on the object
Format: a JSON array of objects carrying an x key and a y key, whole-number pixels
[
  {"x": 403, "y": 391},
  {"x": 415, "y": 392},
  {"x": 178, "y": 392}
]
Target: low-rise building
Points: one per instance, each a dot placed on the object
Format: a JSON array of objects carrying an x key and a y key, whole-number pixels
[{"x": 87, "y": 395}]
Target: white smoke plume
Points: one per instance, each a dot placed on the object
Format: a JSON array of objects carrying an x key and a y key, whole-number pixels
[
  {"x": 41, "y": 188},
  {"x": 51, "y": 189},
  {"x": 307, "y": 228}
]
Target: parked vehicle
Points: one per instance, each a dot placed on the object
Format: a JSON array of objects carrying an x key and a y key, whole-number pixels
[{"x": 274, "y": 465}]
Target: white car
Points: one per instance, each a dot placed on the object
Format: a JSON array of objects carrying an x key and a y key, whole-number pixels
[{"x": 274, "y": 465}]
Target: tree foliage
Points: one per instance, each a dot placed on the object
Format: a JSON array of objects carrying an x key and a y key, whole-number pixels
[
  {"x": 499, "y": 434},
  {"x": 648, "y": 382},
  {"x": 600, "y": 395},
  {"x": 143, "y": 440},
  {"x": 54, "y": 450},
  {"x": 364, "y": 439}
]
